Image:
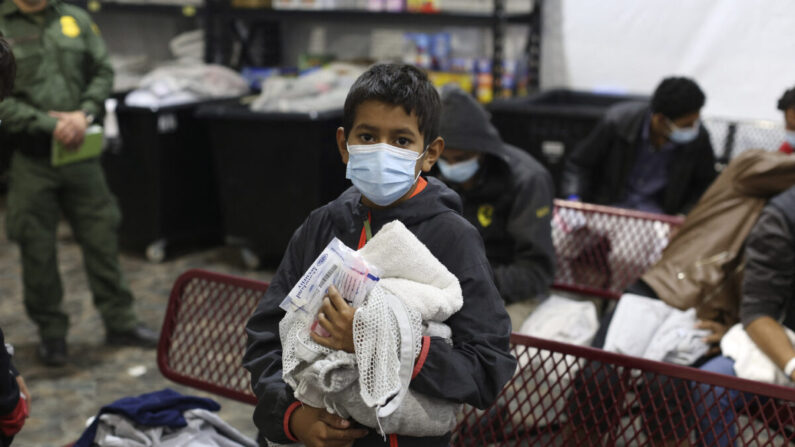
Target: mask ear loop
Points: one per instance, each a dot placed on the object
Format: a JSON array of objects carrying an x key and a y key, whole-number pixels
[{"x": 420, "y": 156}]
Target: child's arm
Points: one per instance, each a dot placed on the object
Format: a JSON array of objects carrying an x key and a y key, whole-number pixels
[
  {"x": 479, "y": 363},
  {"x": 278, "y": 415},
  {"x": 263, "y": 356}
]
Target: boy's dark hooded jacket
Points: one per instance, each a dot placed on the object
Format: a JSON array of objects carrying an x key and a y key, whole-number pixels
[
  {"x": 510, "y": 204},
  {"x": 473, "y": 370}
]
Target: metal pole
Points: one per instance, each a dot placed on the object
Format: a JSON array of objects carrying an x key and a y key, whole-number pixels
[
  {"x": 534, "y": 47},
  {"x": 498, "y": 34}
]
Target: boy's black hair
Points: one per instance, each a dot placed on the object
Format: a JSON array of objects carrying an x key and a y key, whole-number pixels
[
  {"x": 8, "y": 69},
  {"x": 676, "y": 97},
  {"x": 400, "y": 85},
  {"x": 787, "y": 100}
]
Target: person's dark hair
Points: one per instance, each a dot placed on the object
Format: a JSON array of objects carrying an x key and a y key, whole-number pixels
[
  {"x": 8, "y": 69},
  {"x": 787, "y": 100},
  {"x": 400, "y": 85},
  {"x": 676, "y": 97}
]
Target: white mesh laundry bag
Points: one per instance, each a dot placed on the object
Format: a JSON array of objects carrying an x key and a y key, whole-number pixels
[{"x": 388, "y": 337}]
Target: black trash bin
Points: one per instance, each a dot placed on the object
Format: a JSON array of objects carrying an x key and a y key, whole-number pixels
[
  {"x": 163, "y": 177},
  {"x": 273, "y": 170},
  {"x": 549, "y": 124}
]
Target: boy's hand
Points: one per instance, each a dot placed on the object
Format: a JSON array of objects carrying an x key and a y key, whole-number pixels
[
  {"x": 336, "y": 317},
  {"x": 316, "y": 427},
  {"x": 718, "y": 331}
]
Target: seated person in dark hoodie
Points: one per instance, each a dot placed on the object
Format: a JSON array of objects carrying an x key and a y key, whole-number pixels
[
  {"x": 507, "y": 196},
  {"x": 390, "y": 136},
  {"x": 653, "y": 157}
]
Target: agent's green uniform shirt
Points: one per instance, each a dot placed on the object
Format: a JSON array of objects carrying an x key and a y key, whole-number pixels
[{"x": 62, "y": 66}]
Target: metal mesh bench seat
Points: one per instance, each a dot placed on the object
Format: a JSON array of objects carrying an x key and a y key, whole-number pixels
[{"x": 628, "y": 401}]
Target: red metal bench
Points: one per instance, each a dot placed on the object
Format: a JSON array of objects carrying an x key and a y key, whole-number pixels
[
  {"x": 203, "y": 337},
  {"x": 203, "y": 341}
]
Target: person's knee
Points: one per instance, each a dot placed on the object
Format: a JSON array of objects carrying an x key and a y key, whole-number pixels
[{"x": 98, "y": 226}]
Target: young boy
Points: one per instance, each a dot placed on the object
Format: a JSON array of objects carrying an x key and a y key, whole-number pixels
[{"x": 390, "y": 135}]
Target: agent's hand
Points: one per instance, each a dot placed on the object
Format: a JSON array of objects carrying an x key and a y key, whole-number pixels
[
  {"x": 23, "y": 388},
  {"x": 316, "y": 427},
  {"x": 71, "y": 128},
  {"x": 336, "y": 317},
  {"x": 718, "y": 331}
]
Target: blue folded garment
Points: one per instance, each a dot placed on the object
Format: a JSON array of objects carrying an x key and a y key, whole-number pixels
[{"x": 162, "y": 408}]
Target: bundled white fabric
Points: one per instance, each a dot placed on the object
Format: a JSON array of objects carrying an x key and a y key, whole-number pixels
[
  {"x": 649, "y": 328},
  {"x": 634, "y": 323},
  {"x": 560, "y": 319},
  {"x": 563, "y": 319},
  {"x": 204, "y": 429},
  {"x": 184, "y": 83},
  {"x": 371, "y": 386},
  {"x": 188, "y": 46},
  {"x": 320, "y": 90},
  {"x": 749, "y": 361},
  {"x": 412, "y": 273},
  {"x": 677, "y": 340}
]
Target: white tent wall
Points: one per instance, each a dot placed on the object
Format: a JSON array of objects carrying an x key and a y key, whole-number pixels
[{"x": 741, "y": 52}]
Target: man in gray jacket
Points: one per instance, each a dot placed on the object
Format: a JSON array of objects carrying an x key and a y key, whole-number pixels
[{"x": 507, "y": 196}]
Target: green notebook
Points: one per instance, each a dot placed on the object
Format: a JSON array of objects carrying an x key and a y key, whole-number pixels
[{"x": 91, "y": 148}]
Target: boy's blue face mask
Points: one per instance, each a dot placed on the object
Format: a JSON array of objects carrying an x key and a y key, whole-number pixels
[
  {"x": 459, "y": 172},
  {"x": 683, "y": 135},
  {"x": 381, "y": 172}
]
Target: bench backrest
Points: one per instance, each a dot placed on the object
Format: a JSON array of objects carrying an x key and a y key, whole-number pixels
[
  {"x": 601, "y": 250},
  {"x": 203, "y": 337}
]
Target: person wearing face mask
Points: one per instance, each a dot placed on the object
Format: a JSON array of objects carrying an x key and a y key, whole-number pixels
[
  {"x": 507, "y": 196},
  {"x": 787, "y": 105},
  {"x": 390, "y": 135},
  {"x": 63, "y": 78},
  {"x": 703, "y": 267},
  {"x": 654, "y": 157}
]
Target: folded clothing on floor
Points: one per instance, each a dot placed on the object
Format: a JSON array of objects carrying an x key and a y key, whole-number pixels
[{"x": 160, "y": 413}]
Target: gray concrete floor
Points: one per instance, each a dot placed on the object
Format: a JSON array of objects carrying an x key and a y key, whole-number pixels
[{"x": 63, "y": 398}]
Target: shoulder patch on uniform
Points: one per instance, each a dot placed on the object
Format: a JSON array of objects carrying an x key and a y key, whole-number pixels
[
  {"x": 69, "y": 26},
  {"x": 485, "y": 215},
  {"x": 543, "y": 211}
]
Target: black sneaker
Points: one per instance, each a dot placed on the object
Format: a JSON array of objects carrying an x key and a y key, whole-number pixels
[
  {"x": 140, "y": 336},
  {"x": 52, "y": 351}
]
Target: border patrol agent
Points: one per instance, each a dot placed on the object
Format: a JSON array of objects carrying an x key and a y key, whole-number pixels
[{"x": 63, "y": 79}]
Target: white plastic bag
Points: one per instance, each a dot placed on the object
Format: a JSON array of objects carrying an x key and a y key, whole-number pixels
[{"x": 337, "y": 265}]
